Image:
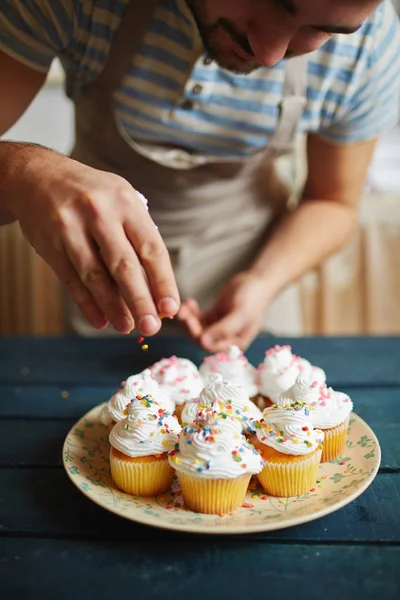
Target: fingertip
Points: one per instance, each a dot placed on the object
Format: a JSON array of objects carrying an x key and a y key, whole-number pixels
[
  {"x": 149, "y": 325},
  {"x": 168, "y": 306}
]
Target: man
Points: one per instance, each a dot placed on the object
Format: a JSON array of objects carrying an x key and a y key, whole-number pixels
[{"x": 189, "y": 102}]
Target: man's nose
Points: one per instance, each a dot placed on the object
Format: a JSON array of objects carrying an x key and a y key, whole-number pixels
[{"x": 269, "y": 44}]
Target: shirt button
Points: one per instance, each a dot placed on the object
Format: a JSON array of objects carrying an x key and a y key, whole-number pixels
[
  {"x": 197, "y": 89},
  {"x": 187, "y": 105},
  {"x": 207, "y": 61}
]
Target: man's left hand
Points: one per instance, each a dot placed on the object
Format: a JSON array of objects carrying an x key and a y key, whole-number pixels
[{"x": 235, "y": 318}]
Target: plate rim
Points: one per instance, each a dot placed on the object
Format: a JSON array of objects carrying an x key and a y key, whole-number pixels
[{"x": 235, "y": 529}]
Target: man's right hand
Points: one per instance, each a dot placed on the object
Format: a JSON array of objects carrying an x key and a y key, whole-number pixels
[{"x": 92, "y": 228}]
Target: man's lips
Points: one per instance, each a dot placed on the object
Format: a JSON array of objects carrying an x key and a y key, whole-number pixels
[{"x": 240, "y": 52}]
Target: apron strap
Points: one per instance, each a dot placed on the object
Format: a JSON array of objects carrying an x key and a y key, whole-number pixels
[
  {"x": 132, "y": 28},
  {"x": 292, "y": 105}
]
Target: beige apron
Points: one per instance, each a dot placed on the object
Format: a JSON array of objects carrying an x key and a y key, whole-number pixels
[{"x": 212, "y": 213}]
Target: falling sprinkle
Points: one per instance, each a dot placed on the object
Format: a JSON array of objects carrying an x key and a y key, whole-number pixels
[
  {"x": 145, "y": 347},
  {"x": 140, "y": 340},
  {"x": 64, "y": 394}
]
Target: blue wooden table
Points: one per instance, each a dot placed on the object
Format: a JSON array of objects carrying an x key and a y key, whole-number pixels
[{"x": 55, "y": 544}]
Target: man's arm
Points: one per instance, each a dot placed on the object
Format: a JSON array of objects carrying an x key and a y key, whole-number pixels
[
  {"x": 324, "y": 221},
  {"x": 20, "y": 84},
  {"x": 90, "y": 226}
]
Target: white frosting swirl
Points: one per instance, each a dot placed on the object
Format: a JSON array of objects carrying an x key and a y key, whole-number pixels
[
  {"x": 148, "y": 429},
  {"x": 142, "y": 383},
  {"x": 233, "y": 366},
  {"x": 280, "y": 370},
  {"x": 228, "y": 397},
  {"x": 330, "y": 408},
  {"x": 179, "y": 378},
  {"x": 289, "y": 429},
  {"x": 145, "y": 383},
  {"x": 113, "y": 411},
  {"x": 303, "y": 390},
  {"x": 214, "y": 448},
  {"x": 309, "y": 371}
]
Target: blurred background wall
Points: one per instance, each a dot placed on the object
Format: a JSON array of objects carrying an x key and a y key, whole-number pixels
[{"x": 356, "y": 291}]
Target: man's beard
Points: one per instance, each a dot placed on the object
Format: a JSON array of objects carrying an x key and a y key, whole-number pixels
[{"x": 225, "y": 58}]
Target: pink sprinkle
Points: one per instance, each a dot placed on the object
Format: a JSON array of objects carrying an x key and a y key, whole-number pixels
[{"x": 276, "y": 349}]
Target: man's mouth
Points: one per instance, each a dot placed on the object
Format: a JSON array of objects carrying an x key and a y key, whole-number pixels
[{"x": 240, "y": 52}]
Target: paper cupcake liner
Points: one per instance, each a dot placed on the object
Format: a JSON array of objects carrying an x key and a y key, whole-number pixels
[
  {"x": 291, "y": 478},
  {"x": 142, "y": 477},
  {"x": 334, "y": 441},
  {"x": 178, "y": 412},
  {"x": 213, "y": 496}
]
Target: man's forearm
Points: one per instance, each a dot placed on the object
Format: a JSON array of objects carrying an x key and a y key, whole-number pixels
[
  {"x": 301, "y": 241},
  {"x": 16, "y": 158}
]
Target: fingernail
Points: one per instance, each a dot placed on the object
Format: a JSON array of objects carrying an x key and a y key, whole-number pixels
[
  {"x": 123, "y": 324},
  {"x": 168, "y": 306},
  {"x": 148, "y": 325}
]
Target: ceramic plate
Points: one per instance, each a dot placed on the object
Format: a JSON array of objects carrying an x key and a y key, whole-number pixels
[{"x": 85, "y": 457}]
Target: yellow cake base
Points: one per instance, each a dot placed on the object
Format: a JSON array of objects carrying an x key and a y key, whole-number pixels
[
  {"x": 286, "y": 475},
  {"x": 334, "y": 441},
  {"x": 213, "y": 496},
  {"x": 142, "y": 476}
]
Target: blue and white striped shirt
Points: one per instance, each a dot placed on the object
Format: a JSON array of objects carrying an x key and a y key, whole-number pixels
[{"x": 173, "y": 96}]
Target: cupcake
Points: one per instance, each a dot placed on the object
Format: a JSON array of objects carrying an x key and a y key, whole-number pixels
[
  {"x": 214, "y": 463},
  {"x": 331, "y": 413},
  {"x": 233, "y": 366},
  {"x": 227, "y": 397},
  {"x": 179, "y": 379},
  {"x": 291, "y": 449},
  {"x": 139, "y": 448},
  {"x": 142, "y": 383},
  {"x": 280, "y": 370}
]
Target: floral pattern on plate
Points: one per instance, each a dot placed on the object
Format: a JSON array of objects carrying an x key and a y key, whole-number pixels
[{"x": 86, "y": 461}]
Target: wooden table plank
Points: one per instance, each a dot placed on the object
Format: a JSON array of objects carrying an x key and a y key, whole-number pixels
[
  {"x": 228, "y": 571},
  {"x": 44, "y": 502},
  {"x": 348, "y": 361},
  {"x": 50, "y": 402}
]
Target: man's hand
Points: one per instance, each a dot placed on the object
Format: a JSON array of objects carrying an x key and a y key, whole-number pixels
[
  {"x": 235, "y": 318},
  {"x": 92, "y": 228}
]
